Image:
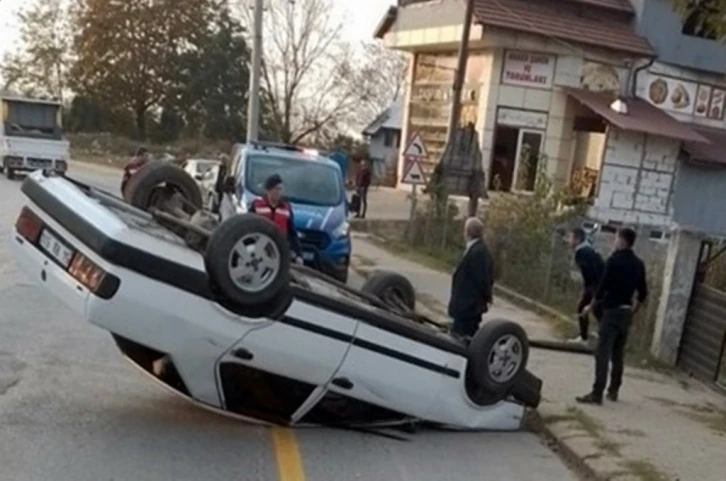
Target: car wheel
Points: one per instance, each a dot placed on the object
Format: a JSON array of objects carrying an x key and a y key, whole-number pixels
[
  {"x": 392, "y": 288},
  {"x": 498, "y": 354},
  {"x": 272, "y": 309},
  {"x": 155, "y": 184},
  {"x": 248, "y": 260}
]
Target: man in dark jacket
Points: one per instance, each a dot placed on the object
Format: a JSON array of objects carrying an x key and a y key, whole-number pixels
[
  {"x": 472, "y": 282},
  {"x": 624, "y": 277},
  {"x": 273, "y": 207},
  {"x": 591, "y": 266},
  {"x": 362, "y": 183}
]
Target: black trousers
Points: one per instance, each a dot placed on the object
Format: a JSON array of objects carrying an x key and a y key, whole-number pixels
[
  {"x": 584, "y": 321},
  {"x": 465, "y": 326},
  {"x": 614, "y": 328},
  {"x": 363, "y": 193}
]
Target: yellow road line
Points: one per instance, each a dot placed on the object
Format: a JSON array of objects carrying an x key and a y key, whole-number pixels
[{"x": 289, "y": 461}]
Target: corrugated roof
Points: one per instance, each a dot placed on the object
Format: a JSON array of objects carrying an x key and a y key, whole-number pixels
[
  {"x": 391, "y": 118},
  {"x": 711, "y": 152},
  {"x": 641, "y": 116},
  {"x": 600, "y": 23}
]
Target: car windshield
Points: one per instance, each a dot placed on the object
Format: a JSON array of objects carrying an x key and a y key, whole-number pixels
[{"x": 305, "y": 182}]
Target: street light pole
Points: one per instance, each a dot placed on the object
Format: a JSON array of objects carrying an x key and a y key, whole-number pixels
[{"x": 253, "y": 109}]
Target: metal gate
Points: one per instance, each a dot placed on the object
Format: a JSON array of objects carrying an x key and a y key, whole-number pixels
[{"x": 703, "y": 343}]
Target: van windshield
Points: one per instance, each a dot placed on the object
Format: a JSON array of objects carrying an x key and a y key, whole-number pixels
[{"x": 305, "y": 182}]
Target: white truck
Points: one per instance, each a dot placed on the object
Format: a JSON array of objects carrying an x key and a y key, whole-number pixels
[{"x": 31, "y": 136}]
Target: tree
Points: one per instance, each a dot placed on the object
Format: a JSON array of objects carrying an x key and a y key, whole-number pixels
[
  {"x": 383, "y": 72},
  {"x": 704, "y": 18},
  {"x": 212, "y": 81},
  {"x": 308, "y": 72},
  {"x": 40, "y": 64},
  {"x": 127, "y": 49}
]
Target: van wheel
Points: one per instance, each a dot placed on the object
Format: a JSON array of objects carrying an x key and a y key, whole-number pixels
[
  {"x": 248, "y": 260},
  {"x": 154, "y": 185},
  {"x": 498, "y": 354},
  {"x": 392, "y": 288}
]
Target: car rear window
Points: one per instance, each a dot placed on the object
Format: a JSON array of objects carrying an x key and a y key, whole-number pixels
[{"x": 304, "y": 181}]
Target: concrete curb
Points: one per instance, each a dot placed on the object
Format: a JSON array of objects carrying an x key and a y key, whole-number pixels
[
  {"x": 579, "y": 450},
  {"x": 107, "y": 169}
]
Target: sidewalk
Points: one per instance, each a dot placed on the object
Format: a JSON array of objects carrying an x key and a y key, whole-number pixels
[{"x": 665, "y": 427}]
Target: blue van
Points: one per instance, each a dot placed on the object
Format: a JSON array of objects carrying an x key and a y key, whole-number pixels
[{"x": 314, "y": 186}]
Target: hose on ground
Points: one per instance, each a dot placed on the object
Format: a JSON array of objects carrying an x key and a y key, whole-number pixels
[{"x": 561, "y": 346}]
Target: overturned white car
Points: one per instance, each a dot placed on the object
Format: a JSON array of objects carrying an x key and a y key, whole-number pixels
[{"x": 237, "y": 329}]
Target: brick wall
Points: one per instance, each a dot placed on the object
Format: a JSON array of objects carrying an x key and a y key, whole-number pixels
[{"x": 636, "y": 180}]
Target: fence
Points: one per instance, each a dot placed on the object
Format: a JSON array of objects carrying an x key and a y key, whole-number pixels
[{"x": 525, "y": 236}]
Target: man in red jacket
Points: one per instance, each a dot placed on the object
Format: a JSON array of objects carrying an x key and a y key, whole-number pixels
[
  {"x": 136, "y": 162},
  {"x": 273, "y": 207},
  {"x": 362, "y": 183}
]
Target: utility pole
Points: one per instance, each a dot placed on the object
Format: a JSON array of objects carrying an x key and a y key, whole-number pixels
[
  {"x": 460, "y": 73},
  {"x": 253, "y": 111}
]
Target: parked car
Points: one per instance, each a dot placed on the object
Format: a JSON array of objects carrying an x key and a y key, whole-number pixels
[
  {"x": 314, "y": 185},
  {"x": 206, "y": 173},
  {"x": 236, "y": 328}
]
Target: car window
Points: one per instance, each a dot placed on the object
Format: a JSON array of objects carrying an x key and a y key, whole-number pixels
[
  {"x": 261, "y": 395},
  {"x": 305, "y": 182}
]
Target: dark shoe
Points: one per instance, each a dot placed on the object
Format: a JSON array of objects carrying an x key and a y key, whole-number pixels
[
  {"x": 589, "y": 399},
  {"x": 612, "y": 396}
]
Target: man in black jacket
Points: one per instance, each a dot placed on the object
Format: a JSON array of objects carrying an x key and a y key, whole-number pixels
[
  {"x": 472, "y": 282},
  {"x": 591, "y": 268},
  {"x": 624, "y": 276}
]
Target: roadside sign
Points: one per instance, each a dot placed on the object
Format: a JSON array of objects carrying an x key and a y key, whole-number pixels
[
  {"x": 416, "y": 147},
  {"x": 412, "y": 171}
]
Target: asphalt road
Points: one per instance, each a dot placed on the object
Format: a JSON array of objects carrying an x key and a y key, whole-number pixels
[{"x": 72, "y": 410}]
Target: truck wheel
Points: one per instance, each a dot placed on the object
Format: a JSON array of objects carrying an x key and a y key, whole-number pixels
[
  {"x": 248, "y": 260},
  {"x": 392, "y": 288},
  {"x": 156, "y": 182},
  {"x": 498, "y": 354}
]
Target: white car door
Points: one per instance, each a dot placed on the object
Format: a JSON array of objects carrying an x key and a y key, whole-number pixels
[
  {"x": 393, "y": 371},
  {"x": 299, "y": 354}
]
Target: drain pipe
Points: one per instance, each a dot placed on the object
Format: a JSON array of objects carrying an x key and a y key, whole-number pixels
[{"x": 633, "y": 80}]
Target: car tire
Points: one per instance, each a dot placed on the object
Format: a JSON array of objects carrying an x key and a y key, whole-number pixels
[
  {"x": 527, "y": 389},
  {"x": 141, "y": 187},
  {"x": 235, "y": 236},
  {"x": 388, "y": 286},
  {"x": 498, "y": 355}
]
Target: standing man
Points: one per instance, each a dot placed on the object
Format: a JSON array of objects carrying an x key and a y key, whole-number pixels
[
  {"x": 362, "y": 183},
  {"x": 591, "y": 268},
  {"x": 137, "y": 161},
  {"x": 273, "y": 207},
  {"x": 472, "y": 282},
  {"x": 624, "y": 276}
]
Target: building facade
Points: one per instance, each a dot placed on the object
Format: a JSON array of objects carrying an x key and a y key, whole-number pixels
[
  {"x": 384, "y": 142},
  {"x": 540, "y": 82}
]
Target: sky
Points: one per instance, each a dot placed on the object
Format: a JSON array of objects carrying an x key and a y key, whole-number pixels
[{"x": 360, "y": 21}]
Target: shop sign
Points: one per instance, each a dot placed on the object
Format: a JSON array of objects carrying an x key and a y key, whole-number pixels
[
  {"x": 527, "y": 69},
  {"x": 522, "y": 118}
]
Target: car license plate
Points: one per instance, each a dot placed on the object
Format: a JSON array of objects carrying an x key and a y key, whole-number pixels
[
  {"x": 56, "y": 248},
  {"x": 308, "y": 256}
]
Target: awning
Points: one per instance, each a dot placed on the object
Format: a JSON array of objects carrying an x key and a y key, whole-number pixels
[
  {"x": 711, "y": 152},
  {"x": 641, "y": 117}
]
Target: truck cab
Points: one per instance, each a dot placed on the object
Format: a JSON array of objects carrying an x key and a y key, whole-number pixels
[
  {"x": 315, "y": 188},
  {"x": 31, "y": 136}
]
